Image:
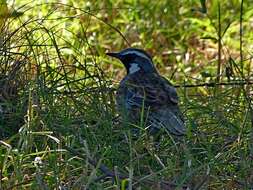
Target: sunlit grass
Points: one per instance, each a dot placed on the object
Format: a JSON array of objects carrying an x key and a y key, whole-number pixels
[{"x": 57, "y": 97}]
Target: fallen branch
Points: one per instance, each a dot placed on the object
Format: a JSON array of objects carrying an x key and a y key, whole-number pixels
[
  {"x": 104, "y": 169},
  {"x": 112, "y": 174}
]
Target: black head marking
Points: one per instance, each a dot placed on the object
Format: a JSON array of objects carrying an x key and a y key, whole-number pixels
[{"x": 134, "y": 60}]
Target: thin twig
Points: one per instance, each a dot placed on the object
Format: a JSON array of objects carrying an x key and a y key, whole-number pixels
[
  {"x": 219, "y": 44},
  {"x": 241, "y": 36},
  {"x": 111, "y": 89},
  {"x": 213, "y": 84}
]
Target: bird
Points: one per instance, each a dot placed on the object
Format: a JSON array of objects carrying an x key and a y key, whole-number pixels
[{"x": 144, "y": 94}]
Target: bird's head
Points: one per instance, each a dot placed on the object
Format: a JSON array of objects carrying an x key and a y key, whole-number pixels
[{"x": 135, "y": 60}]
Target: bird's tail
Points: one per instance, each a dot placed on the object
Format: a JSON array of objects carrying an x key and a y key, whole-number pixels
[{"x": 171, "y": 121}]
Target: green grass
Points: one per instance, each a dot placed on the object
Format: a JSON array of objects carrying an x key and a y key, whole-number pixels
[{"x": 58, "y": 122}]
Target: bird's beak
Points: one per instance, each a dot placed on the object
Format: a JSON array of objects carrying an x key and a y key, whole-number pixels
[{"x": 116, "y": 55}]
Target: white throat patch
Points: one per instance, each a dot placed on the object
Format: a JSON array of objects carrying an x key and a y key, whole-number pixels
[{"x": 133, "y": 68}]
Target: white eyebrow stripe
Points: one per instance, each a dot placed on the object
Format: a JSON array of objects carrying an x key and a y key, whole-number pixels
[{"x": 137, "y": 53}]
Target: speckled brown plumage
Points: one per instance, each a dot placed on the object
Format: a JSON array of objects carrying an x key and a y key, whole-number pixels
[
  {"x": 156, "y": 96},
  {"x": 145, "y": 95}
]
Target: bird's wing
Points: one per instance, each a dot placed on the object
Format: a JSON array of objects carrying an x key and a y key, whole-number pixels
[
  {"x": 158, "y": 96},
  {"x": 151, "y": 90}
]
